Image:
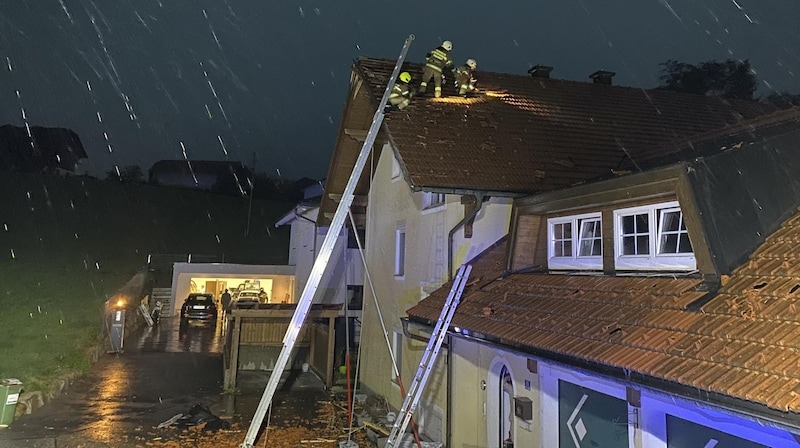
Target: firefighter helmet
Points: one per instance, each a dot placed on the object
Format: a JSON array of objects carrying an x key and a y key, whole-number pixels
[
  {"x": 405, "y": 77},
  {"x": 447, "y": 45},
  {"x": 472, "y": 64}
]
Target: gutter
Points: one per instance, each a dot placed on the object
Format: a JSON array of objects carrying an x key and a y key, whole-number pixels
[
  {"x": 479, "y": 197},
  {"x": 761, "y": 414}
]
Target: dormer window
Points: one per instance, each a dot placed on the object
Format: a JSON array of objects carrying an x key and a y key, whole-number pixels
[
  {"x": 652, "y": 237},
  {"x": 575, "y": 242}
]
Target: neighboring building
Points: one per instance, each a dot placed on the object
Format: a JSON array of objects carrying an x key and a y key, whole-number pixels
[
  {"x": 37, "y": 149},
  {"x": 343, "y": 280},
  {"x": 439, "y": 188},
  {"x": 201, "y": 174},
  {"x": 614, "y": 314}
]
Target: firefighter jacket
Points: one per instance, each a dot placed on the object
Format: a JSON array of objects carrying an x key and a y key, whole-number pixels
[
  {"x": 464, "y": 80},
  {"x": 400, "y": 89},
  {"x": 438, "y": 59}
]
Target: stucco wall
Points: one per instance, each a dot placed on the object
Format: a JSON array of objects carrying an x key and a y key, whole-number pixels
[
  {"x": 476, "y": 394},
  {"x": 393, "y": 205}
]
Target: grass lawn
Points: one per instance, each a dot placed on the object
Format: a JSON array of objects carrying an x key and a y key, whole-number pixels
[{"x": 67, "y": 244}]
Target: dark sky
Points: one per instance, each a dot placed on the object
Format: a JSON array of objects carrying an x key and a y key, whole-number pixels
[{"x": 145, "y": 80}]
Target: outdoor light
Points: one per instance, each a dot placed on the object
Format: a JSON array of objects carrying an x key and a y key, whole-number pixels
[
  {"x": 457, "y": 329},
  {"x": 120, "y": 303}
]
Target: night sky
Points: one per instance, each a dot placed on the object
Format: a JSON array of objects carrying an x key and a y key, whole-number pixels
[{"x": 145, "y": 80}]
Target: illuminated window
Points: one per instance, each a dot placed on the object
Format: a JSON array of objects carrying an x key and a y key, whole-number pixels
[
  {"x": 653, "y": 237},
  {"x": 575, "y": 242}
]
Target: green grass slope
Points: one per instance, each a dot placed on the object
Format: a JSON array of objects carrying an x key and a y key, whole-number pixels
[{"x": 68, "y": 243}]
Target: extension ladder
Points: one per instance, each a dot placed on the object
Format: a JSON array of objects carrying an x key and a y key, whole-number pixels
[
  {"x": 321, "y": 262},
  {"x": 429, "y": 357}
]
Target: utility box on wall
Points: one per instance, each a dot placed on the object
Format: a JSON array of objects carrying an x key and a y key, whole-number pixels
[{"x": 523, "y": 408}]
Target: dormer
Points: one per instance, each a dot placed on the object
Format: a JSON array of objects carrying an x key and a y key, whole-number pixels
[
  {"x": 702, "y": 214},
  {"x": 636, "y": 224}
]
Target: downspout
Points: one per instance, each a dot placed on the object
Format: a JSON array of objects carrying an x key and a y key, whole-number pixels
[{"x": 479, "y": 196}]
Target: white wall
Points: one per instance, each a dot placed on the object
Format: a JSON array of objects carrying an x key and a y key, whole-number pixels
[{"x": 392, "y": 204}]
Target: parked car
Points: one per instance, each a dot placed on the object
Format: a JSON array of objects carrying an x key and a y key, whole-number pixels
[
  {"x": 199, "y": 306},
  {"x": 247, "y": 298}
]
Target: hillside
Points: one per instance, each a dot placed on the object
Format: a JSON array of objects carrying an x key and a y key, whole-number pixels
[{"x": 68, "y": 243}]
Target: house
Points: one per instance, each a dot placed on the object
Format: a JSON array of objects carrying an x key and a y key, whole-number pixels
[
  {"x": 655, "y": 309},
  {"x": 445, "y": 176},
  {"x": 201, "y": 174},
  {"x": 35, "y": 149},
  {"x": 343, "y": 282}
]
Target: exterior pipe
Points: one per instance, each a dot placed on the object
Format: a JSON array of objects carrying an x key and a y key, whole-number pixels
[{"x": 479, "y": 196}]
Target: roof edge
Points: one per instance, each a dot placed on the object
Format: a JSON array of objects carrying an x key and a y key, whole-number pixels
[{"x": 759, "y": 412}]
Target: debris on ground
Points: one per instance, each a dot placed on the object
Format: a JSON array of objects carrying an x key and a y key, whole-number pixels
[
  {"x": 324, "y": 427},
  {"x": 197, "y": 415}
]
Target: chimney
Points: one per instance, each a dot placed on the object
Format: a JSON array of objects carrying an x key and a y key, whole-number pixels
[
  {"x": 602, "y": 77},
  {"x": 540, "y": 71}
]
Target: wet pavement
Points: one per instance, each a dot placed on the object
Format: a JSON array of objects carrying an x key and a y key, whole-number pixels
[{"x": 163, "y": 371}]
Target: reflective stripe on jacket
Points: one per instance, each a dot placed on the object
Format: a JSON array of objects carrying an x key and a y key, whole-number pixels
[
  {"x": 399, "y": 89},
  {"x": 438, "y": 59}
]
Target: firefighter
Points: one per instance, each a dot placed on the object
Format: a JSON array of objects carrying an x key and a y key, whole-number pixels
[
  {"x": 465, "y": 82},
  {"x": 401, "y": 92},
  {"x": 436, "y": 61}
]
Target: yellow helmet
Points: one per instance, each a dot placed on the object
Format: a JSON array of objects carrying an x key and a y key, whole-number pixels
[
  {"x": 472, "y": 64},
  {"x": 405, "y": 77},
  {"x": 447, "y": 45}
]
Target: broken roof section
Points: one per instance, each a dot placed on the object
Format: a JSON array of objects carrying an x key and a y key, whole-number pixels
[{"x": 531, "y": 134}]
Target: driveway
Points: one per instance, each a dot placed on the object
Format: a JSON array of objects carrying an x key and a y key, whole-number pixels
[{"x": 163, "y": 371}]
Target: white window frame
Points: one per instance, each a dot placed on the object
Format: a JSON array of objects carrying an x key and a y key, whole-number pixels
[
  {"x": 573, "y": 260},
  {"x": 652, "y": 261},
  {"x": 432, "y": 200},
  {"x": 399, "y": 252}
]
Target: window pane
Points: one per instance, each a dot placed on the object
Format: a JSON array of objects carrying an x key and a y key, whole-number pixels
[
  {"x": 558, "y": 231},
  {"x": 628, "y": 245},
  {"x": 642, "y": 244},
  {"x": 671, "y": 222},
  {"x": 685, "y": 246},
  {"x": 568, "y": 248},
  {"x": 589, "y": 237},
  {"x": 568, "y": 230},
  {"x": 627, "y": 225},
  {"x": 642, "y": 223},
  {"x": 669, "y": 243},
  {"x": 597, "y": 248}
]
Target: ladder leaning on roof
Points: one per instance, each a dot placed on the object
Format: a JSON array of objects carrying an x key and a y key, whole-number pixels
[
  {"x": 429, "y": 357},
  {"x": 321, "y": 262}
]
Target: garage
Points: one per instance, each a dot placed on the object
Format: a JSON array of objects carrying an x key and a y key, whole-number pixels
[{"x": 278, "y": 281}]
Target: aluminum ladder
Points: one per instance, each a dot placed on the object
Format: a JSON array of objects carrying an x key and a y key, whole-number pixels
[
  {"x": 429, "y": 357},
  {"x": 321, "y": 262}
]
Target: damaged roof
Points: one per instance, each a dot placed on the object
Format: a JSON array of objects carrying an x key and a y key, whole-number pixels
[
  {"x": 739, "y": 347},
  {"x": 529, "y": 135}
]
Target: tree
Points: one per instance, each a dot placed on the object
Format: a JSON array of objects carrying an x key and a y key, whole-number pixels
[
  {"x": 783, "y": 100},
  {"x": 729, "y": 79},
  {"x": 128, "y": 174}
]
